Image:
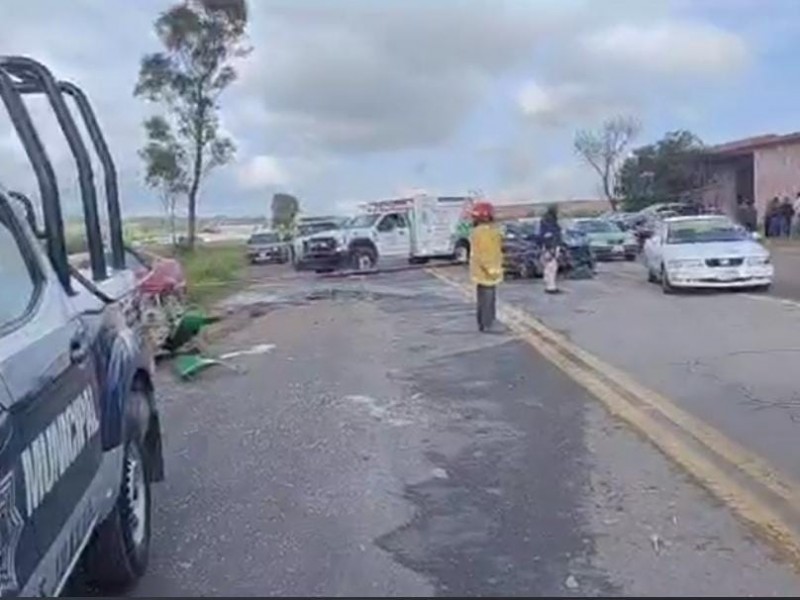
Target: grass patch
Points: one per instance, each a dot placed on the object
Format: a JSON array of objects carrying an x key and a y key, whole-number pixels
[{"x": 213, "y": 271}]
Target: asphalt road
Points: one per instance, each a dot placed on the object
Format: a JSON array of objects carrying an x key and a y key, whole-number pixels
[
  {"x": 381, "y": 446},
  {"x": 729, "y": 358},
  {"x": 786, "y": 259}
]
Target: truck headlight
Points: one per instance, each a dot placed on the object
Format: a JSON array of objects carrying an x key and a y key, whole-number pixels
[
  {"x": 685, "y": 263},
  {"x": 757, "y": 261}
]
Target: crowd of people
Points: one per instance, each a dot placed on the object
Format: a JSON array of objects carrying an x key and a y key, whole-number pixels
[{"x": 781, "y": 217}]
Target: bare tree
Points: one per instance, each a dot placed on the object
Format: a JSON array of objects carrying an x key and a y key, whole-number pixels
[{"x": 603, "y": 150}]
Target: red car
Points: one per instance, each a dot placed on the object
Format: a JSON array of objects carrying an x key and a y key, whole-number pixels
[
  {"x": 157, "y": 275},
  {"x": 162, "y": 291}
]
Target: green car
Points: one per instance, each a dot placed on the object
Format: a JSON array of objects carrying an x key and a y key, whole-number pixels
[{"x": 607, "y": 240}]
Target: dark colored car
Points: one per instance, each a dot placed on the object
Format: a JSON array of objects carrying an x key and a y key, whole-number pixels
[
  {"x": 267, "y": 247},
  {"x": 521, "y": 249}
]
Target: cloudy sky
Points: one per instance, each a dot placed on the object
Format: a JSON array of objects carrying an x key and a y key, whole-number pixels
[{"x": 343, "y": 101}]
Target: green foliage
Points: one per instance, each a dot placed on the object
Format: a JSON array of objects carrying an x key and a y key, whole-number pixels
[
  {"x": 661, "y": 171},
  {"x": 201, "y": 40},
  {"x": 284, "y": 210},
  {"x": 76, "y": 243},
  {"x": 212, "y": 271}
]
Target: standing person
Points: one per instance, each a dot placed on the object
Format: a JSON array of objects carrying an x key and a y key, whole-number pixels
[
  {"x": 787, "y": 216},
  {"x": 772, "y": 218},
  {"x": 485, "y": 262},
  {"x": 747, "y": 215},
  {"x": 551, "y": 248},
  {"x": 797, "y": 215}
]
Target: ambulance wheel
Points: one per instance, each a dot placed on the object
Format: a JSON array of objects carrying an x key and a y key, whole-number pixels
[
  {"x": 118, "y": 554},
  {"x": 461, "y": 255},
  {"x": 364, "y": 258}
]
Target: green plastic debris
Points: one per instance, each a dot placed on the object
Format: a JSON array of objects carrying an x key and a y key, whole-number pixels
[
  {"x": 189, "y": 325},
  {"x": 189, "y": 365}
]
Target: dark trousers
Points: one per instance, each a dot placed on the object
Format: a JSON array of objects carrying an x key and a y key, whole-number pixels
[{"x": 487, "y": 300}]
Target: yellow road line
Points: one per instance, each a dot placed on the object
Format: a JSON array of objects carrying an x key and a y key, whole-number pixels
[{"x": 646, "y": 411}]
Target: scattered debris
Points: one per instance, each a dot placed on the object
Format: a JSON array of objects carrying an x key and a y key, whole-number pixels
[
  {"x": 257, "y": 349},
  {"x": 655, "y": 539},
  {"x": 439, "y": 473},
  {"x": 189, "y": 325},
  {"x": 571, "y": 583},
  {"x": 189, "y": 365}
]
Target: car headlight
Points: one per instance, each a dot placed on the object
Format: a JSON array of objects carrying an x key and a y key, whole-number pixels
[
  {"x": 685, "y": 263},
  {"x": 757, "y": 261},
  {"x": 630, "y": 240}
]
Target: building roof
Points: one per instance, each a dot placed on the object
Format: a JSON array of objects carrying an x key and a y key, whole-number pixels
[{"x": 747, "y": 145}]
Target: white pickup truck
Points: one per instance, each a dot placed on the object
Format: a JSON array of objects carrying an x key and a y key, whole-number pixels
[{"x": 424, "y": 229}]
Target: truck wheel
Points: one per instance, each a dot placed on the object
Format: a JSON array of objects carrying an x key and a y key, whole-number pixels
[
  {"x": 119, "y": 552},
  {"x": 364, "y": 258},
  {"x": 461, "y": 254}
]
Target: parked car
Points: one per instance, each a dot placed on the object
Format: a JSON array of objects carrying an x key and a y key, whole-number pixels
[
  {"x": 521, "y": 249},
  {"x": 578, "y": 255},
  {"x": 267, "y": 247},
  {"x": 606, "y": 239},
  {"x": 706, "y": 251}
]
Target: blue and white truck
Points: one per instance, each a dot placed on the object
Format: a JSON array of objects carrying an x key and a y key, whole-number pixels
[{"x": 80, "y": 436}]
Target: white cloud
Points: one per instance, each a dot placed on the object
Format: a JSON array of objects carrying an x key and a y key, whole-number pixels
[
  {"x": 554, "y": 183},
  {"x": 672, "y": 48},
  {"x": 330, "y": 82},
  {"x": 402, "y": 76},
  {"x": 565, "y": 103},
  {"x": 262, "y": 172}
]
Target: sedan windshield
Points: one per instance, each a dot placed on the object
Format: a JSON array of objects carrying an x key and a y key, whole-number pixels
[
  {"x": 699, "y": 231},
  {"x": 264, "y": 238},
  {"x": 596, "y": 226}
]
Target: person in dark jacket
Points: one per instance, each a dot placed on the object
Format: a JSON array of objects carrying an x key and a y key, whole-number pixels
[
  {"x": 772, "y": 218},
  {"x": 787, "y": 216},
  {"x": 550, "y": 232}
]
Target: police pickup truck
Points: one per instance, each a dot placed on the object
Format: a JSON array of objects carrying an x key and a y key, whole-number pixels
[{"x": 80, "y": 439}]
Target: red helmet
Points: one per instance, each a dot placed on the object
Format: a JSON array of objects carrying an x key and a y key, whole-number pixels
[{"x": 482, "y": 212}]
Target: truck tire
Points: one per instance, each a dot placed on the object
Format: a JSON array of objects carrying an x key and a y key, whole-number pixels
[
  {"x": 118, "y": 554},
  {"x": 461, "y": 254},
  {"x": 363, "y": 258}
]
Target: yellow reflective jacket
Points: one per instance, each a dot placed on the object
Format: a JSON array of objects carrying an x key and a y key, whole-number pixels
[{"x": 486, "y": 255}]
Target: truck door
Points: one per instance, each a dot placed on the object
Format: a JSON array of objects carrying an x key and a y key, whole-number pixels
[
  {"x": 51, "y": 406},
  {"x": 392, "y": 235}
]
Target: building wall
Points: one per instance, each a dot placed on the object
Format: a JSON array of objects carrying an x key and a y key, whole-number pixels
[{"x": 777, "y": 173}]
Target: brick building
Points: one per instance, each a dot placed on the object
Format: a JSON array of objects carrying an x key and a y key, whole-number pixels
[{"x": 760, "y": 168}]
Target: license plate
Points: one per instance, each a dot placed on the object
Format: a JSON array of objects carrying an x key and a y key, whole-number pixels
[
  {"x": 728, "y": 274},
  {"x": 619, "y": 249},
  {"x": 263, "y": 255}
]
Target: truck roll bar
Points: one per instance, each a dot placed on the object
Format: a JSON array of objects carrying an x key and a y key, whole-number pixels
[
  {"x": 45, "y": 176},
  {"x": 109, "y": 170},
  {"x": 29, "y": 76}
]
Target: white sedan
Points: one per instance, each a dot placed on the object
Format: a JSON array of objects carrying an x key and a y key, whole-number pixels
[{"x": 708, "y": 251}]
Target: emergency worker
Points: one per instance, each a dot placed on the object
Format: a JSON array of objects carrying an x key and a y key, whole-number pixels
[{"x": 485, "y": 262}]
